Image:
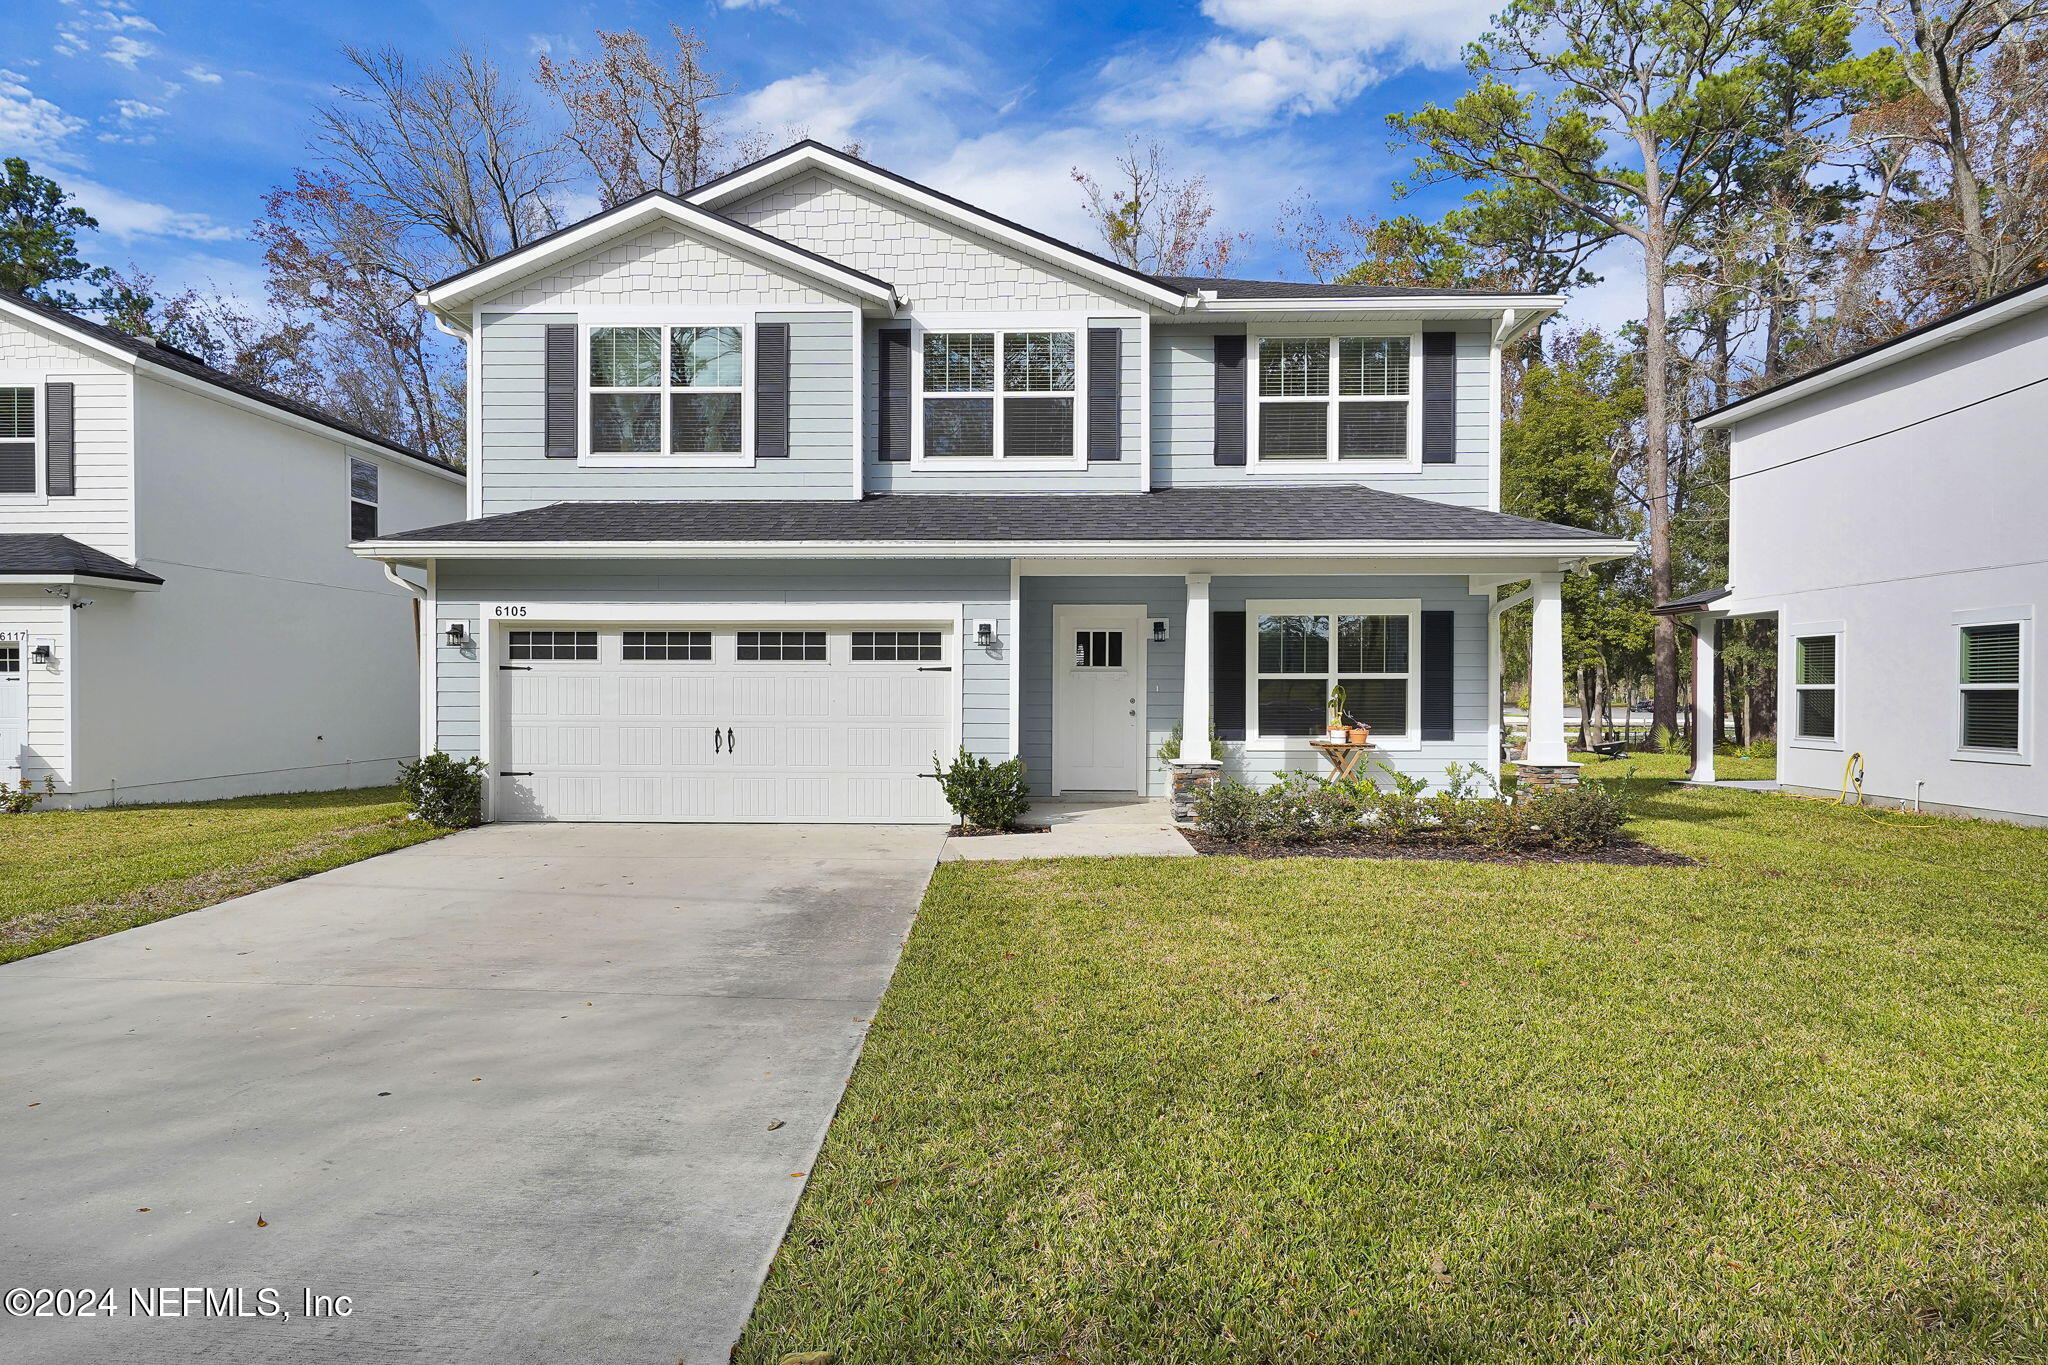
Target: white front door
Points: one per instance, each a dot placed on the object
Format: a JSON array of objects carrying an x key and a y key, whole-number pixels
[
  {"x": 13, "y": 710},
  {"x": 1098, "y": 723}
]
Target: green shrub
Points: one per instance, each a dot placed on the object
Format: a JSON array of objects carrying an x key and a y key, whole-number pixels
[
  {"x": 1170, "y": 749},
  {"x": 983, "y": 795},
  {"x": 1756, "y": 748},
  {"x": 443, "y": 791},
  {"x": 20, "y": 800},
  {"x": 1300, "y": 808},
  {"x": 1229, "y": 810},
  {"x": 1590, "y": 815}
]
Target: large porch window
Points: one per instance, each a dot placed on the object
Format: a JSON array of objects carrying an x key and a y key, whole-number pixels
[{"x": 1299, "y": 651}]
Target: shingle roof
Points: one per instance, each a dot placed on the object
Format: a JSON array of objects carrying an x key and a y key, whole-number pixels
[
  {"x": 1678, "y": 606},
  {"x": 1296, "y": 289},
  {"x": 1343, "y": 512},
  {"x": 47, "y": 554},
  {"x": 171, "y": 358}
]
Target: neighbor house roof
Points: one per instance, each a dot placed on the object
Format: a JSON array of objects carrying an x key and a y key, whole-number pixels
[
  {"x": 1699, "y": 601},
  {"x": 192, "y": 367},
  {"x": 1284, "y": 516},
  {"x": 1913, "y": 341},
  {"x": 22, "y": 555}
]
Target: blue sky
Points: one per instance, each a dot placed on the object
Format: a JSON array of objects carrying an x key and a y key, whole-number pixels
[{"x": 170, "y": 120}]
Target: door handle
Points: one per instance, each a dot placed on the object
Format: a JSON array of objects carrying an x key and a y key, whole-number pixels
[
  {"x": 716, "y": 746},
  {"x": 730, "y": 747}
]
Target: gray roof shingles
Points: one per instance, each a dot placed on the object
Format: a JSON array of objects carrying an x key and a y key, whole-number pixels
[
  {"x": 49, "y": 554},
  {"x": 1343, "y": 512}
]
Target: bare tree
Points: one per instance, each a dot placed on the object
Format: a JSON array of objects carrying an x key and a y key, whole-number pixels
[
  {"x": 1155, "y": 221},
  {"x": 273, "y": 349},
  {"x": 640, "y": 120}
]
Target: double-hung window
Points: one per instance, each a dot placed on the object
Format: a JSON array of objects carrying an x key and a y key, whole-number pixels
[
  {"x": 1992, "y": 677},
  {"x": 999, "y": 395},
  {"x": 1301, "y": 652},
  {"x": 362, "y": 499},
  {"x": 1336, "y": 398},
  {"x": 670, "y": 391},
  {"x": 1813, "y": 686},
  {"x": 18, "y": 432}
]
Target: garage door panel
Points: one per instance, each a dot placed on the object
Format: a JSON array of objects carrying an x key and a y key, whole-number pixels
[{"x": 622, "y": 739}]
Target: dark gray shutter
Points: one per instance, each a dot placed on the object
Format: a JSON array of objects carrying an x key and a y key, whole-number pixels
[
  {"x": 1226, "y": 674},
  {"x": 1439, "y": 397},
  {"x": 1105, "y": 393},
  {"x": 559, "y": 416},
  {"x": 1230, "y": 402},
  {"x": 892, "y": 378},
  {"x": 60, "y": 446},
  {"x": 771, "y": 391},
  {"x": 1439, "y": 674}
]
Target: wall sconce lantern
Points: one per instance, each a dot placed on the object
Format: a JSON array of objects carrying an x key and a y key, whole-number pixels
[
  {"x": 458, "y": 634},
  {"x": 1157, "y": 627},
  {"x": 985, "y": 634},
  {"x": 42, "y": 654}
]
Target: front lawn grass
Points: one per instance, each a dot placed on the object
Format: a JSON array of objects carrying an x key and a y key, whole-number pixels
[
  {"x": 1785, "y": 1106},
  {"x": 66, "y": 876},
  {"x": 1676, "y": 767}
]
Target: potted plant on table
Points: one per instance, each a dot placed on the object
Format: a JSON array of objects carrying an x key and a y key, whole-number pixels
[{"x": 1338, "y": 731}]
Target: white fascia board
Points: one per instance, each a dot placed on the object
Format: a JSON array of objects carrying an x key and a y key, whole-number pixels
[
  {"x": 1520, "y": 311},
  {"x": 1591, "y": 551},
  {"x": 799, "y": 159},
  {"x": 1932, "y": 339},
  {"x": 450, "y": 298},
  {"x": 76, "y": 580}
]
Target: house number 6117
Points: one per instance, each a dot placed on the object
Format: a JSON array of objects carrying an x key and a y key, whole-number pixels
[{"x": 510, "y": 611}]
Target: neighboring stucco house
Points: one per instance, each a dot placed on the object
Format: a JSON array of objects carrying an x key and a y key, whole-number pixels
[
  {"x": 180, "y": 616},
  {"x": 780, "y": 487},
  {"x": 1887, "y": 512}
]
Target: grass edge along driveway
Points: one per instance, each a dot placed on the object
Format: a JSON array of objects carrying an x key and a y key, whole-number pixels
[
  {"x": 67, "y": 876},
  {"x": 1786, "y": 1105}
]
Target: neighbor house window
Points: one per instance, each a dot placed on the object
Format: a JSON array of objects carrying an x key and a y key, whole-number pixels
[
  {"x": 558, "y": 645},
  {"x": 17, "y": 439},
  {"x": 1300, "y": 652},
  {"x": 1813, "y": 682},
  {"x": 1335, "y": 398},
  {"x": 1991, "y": 681},
  {"x": 362, "y": 500},
  {"x": 673, "y": 390},
  {"x": 999, "y": 395}
]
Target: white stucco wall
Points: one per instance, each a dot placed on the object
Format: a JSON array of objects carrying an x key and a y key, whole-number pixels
[{"x": 1886, "y": 506}]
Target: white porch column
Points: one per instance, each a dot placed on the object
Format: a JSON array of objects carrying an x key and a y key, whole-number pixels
[
  {"x": 1194, "y": 701},
  {"x": 1705, "y": 719},
  {"x": 1546, "y": 674}
]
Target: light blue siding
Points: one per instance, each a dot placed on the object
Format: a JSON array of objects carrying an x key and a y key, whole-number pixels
[
  {"x": 1167, "y": 596},
  {"x": 1184, "y": 426},
  {"x": 515, "y": 472},
  {"x": 980, "y": 587}
]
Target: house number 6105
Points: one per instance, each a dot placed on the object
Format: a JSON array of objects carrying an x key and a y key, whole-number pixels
[{"x": 510, "y": 611}]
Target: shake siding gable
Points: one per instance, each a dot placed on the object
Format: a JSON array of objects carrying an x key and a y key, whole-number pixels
[{"x": 659, "y": 266}]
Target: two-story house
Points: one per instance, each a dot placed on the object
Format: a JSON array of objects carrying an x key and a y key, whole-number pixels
[
  {"x": 783, "y": 486},
  {"x": 1885, "y": 511},
  {"x": 180, "y": 616}
]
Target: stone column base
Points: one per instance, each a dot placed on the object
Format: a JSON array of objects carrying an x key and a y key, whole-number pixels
[
  {"x": 1536, "y": 777},
  {"x": 1190, "y": 777}
]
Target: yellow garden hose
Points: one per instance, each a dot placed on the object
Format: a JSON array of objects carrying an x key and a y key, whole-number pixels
[{"x": 1852, "y": 777}]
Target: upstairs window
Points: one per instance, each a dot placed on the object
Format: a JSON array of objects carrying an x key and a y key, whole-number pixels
[
  {"x": 1992, "y": 667},
  {"x": 1813, "y": 681},
  {"x": 17, "y": 439},
  {"x": 1336, "y": 398},
  {"x": 362, "y": 500},
  {"x": 667, "y": 391},
  {"x": 999, "y": 395}
]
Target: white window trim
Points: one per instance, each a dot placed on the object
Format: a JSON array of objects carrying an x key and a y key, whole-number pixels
[
  {"x": 36, "y": 380},
  {"x": 2023, "y": 617},
  {"x": 1410, "y": 607},
  {"x": 588, "y": 323},
  {"x": 1834, "y": 630},
  {"x": 1000, "y": 325},
  {"x": 374, "y": 502},
  {"x": 1332, "y": 462}
]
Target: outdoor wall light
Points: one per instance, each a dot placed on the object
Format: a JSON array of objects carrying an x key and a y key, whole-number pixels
[
  {"x": 458, "y": 634},
  {"x": 41, "y": 654},
  {"x": 985, "y": 634}
]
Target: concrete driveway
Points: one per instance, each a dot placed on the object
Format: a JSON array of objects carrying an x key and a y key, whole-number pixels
[{"x": 513, "y": 1093}]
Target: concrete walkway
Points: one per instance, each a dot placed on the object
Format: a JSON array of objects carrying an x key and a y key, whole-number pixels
[
  {"x": 526, "y": 1094},
  {"x": 1110, "y": 827}
]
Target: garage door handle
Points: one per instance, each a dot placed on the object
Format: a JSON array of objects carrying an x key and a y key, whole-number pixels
[
  {"x": 515, "y": 668},
  {"x": 515, "y": 774},
  {"x": 717, "y": 743},
  {"x": 730, "y": 747},
  {"x": 936, "y": 668}
]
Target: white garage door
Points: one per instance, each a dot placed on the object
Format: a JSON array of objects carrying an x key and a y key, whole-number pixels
[{"x": 716, "y": 723}]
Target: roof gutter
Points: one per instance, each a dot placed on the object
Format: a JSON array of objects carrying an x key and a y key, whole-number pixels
[{"x": 1589, "y": 550}]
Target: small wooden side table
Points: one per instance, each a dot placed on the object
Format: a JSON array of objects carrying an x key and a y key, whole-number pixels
[{"x": 1343, "y": 757}]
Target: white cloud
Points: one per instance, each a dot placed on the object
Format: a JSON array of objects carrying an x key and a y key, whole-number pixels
[
  {"x": 749, "y": 4},
  {"x": 124, "y": 216},
  {"x": 33, "y": 127},
  {"x": 125, "y": 51},
  {"x": 892, "y": 97},
  {"x": 1281, "y": 59},
  {"x": 202, "y": 75},
  {"x": 130, "y": 110}
]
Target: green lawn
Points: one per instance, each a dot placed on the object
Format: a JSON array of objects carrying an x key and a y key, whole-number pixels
[
  {"x": 1726, "y": 768},
  {"x": 72, "y": 875},
  {"x": 1787, "y": 1106}
]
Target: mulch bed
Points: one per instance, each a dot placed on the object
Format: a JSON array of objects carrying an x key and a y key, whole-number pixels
[
  {"x": 1628, "y": 853},
  {"x": 976, "y": 831}
]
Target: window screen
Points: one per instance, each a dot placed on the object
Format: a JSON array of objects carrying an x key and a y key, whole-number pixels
[
  {"x": 553, "y": 644},
  {"x": 1372, "y": 431},
  {"x": 1294, "y": 431},
  {"x": 17, "y": 439},
  {"x": 1991, "y": 686},
  {"x": 960, "y": 427},
  {"x": 1038, "y": 428},
  {"x": 1813, "y": 677},
  {"x": 782, "y": 646},
  {"x": 650, "y": 646},
  {"x": 895, "y": 646}
]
